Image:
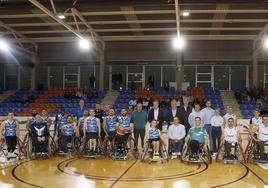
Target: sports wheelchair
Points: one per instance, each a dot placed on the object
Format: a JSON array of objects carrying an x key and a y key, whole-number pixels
[
  {"x": 148, "y": 153},
  {"x": 257, "y": 151},
  {"x": 230, "y": 153},
  {"x": 87, "y": 153},
  {"x": 19, "y": 153},
  {"x": 123, "y": 146},
  {"x": 107, "y": 145},
  {"x": 171, "y": 151},
  {"x": 195, "y": 153},
  {"x": 65, "y": 146},
  {"x": 28, "y": 143}
]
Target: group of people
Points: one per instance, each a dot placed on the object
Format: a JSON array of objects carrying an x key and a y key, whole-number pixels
[
  {"x": 187, "y": 126},
  {"x": 84, "y": 94}
]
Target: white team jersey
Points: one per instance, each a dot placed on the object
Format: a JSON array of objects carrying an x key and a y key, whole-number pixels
[
  {"x": 227, "y": 116},
  {"x": 263, "y": 133},
  {"x": 230, "y": 134},
  {"x": 256, "y": 121}
]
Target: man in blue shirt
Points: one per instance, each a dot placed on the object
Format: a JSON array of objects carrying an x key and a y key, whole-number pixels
[
  {"x": 139, "y": 119},
  {"x": 197, "y": 136},
  {"x": 80, "y": 110}
]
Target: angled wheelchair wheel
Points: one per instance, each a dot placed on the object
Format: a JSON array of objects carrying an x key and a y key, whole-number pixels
[{"x": 133, "y": 148}]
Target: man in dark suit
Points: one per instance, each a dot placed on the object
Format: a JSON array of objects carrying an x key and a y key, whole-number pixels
[
  {"x": 184, "y": 112},
  {"x": 172, "y": 112},
  {"x": 156, "y": 114}
]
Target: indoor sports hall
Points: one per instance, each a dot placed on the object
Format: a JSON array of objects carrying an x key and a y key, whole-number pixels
[{"x": 133, "y": 93}]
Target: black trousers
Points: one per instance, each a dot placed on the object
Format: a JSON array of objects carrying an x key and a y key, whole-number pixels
[
  {"x": 11, "y": 142},
  {"x": 216, "y": 138},
  {"x": 260, "y": 147},
  {"x": 141, "y": 133},
  {"x": 63, "y": 142},
  {"x": 228, "y": 148},
  {"x": 40, "y": 146},
  {"x": 194, "y": 147},
  {"x": 121, "y": 141}
]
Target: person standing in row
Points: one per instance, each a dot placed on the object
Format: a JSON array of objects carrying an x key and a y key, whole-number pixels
[
  {"x": 207, "y": 114},
  {"x": 156, "y": 114},
  {"x": 80, "y": 110},
  {"x": 139, "y": 119},
  {"x": 99, "y": 113},
  {"x": 196, "y": 113},
  {"x": 229, "y": 115},
  {"x": 172, "y": 112},
  {"x": 217, "y": 123},
  {"x": 184, "y": 112}
]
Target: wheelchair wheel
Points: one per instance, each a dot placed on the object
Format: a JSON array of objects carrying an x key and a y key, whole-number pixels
[
  {"x": 76, "y": 144},
  {"x": 133, "y": 148},
  {"x": 208, "y": 155},
  {"x": 107, "y": 146},
  {"x": 249, "y": 152},
  {"x": 164, "y": 152},
  {"x": 184, "y": 153}
]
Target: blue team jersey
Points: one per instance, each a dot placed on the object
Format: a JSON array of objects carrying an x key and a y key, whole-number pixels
[
  {"x": 111, "y": 123},
  {"x": 124, "y": 122},
  {"x": 61, "y": 120},
  {"x": 45, "y": 120},
  {"x": 31, "y": 121},
  {"x": 68, "y": 129},
  {"x": 91, "y": 125},
  {"x": 198, "y": 133},
  {"x": 81, "y": 121},
  {"x": 153, "y": 133},
  {"x": 10, "y": 128}
]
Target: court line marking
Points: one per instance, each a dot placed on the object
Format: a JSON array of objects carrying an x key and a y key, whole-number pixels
[
  {"x": 147, "y": 179},
  {"x": 255, "y": 174},
  {"x": 234, "y": 181},
  {"x": 119, "y": 178},
  {"x": 124, "y": 173},
  {"x": 130, "y": 179},
  {"x": 21, "y": 180}
]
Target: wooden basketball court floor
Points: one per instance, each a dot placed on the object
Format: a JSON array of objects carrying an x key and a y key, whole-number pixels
[{"x": 72, "y": 172}]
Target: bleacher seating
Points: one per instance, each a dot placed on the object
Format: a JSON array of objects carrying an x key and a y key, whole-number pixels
[
  {"x": 51, "y": 99},
  {"x": 14, "y": 102},
  {"x": 161, "y": 94},
  {"x": 247, "y": 104}
]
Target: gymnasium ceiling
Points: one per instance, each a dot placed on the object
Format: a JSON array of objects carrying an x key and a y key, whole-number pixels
[{"x": 25, "y": 24}]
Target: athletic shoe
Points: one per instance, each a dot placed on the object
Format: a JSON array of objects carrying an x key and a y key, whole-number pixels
[
  {"x": 174, "y": 157},
  {"x": 179, "y": 153}
]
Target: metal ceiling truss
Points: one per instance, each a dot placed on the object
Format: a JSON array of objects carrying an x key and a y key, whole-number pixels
[
  {"x": 142, "y": 38},
  {"x": 80, "y": 20},
  {"x": 31, "y": 49},
  {"x": 116, "y": 22},
  {"x": 94, "y": 36},
  {"x": 145, "y": 12},
  {"x": 67, "y": 26}
]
